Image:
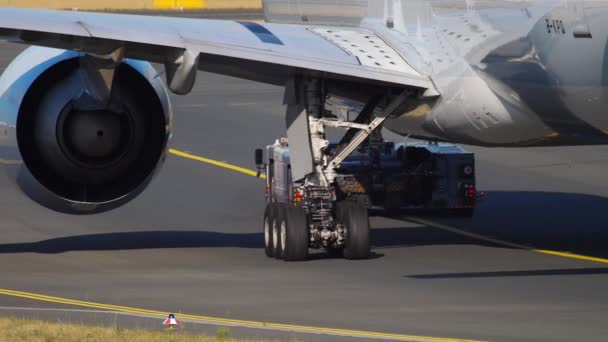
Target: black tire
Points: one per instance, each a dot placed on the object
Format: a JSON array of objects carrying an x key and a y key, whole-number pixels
[
  {"x": 355, "y": 217},
  {"x": 267, "y": 229},
  {"x": 294, "y": 237},
  {"x": 335, "y": 253},
  {"x": 463, "y": 212},
  {"x": 279, "y": 213}
]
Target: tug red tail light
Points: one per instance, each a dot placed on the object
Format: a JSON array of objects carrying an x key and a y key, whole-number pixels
[{"x": 471, "y": 193}]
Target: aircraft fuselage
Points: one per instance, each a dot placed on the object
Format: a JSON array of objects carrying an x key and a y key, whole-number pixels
[
  {"x": 517, "y": 73},
  {"x": 509, "y": 72}
]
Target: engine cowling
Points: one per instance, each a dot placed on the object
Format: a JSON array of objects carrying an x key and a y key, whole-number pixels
[{"x": 86, "y": 148}]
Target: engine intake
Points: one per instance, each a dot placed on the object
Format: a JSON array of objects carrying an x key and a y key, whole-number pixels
[{"x": 86, "y": 151}]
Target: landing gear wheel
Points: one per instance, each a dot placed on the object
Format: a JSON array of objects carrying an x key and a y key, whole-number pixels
[
  {"x": 355, "y": 217},
  {"x": 276, "y": 230},
  {"x": 268, "y": 218},
  {"x": 294, "y": 234}
]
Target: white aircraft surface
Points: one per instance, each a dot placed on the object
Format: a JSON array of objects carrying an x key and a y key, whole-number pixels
[{"x": 91, "y": 117}]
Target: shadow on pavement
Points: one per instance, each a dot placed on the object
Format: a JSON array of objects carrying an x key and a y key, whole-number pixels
[
  {"x": 526, "y": 273},
  {"x": 576, "y": 223},
  {"x": 565, "y": 222},
  {"x": 556, "y": 221},
  {"x": 136, "y": 240}
]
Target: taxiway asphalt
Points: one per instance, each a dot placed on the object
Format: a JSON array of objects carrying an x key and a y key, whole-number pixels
[{"x": 192, "y": 244}]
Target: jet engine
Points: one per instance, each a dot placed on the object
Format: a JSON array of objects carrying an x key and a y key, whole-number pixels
[{"x": 91, "y": 131}]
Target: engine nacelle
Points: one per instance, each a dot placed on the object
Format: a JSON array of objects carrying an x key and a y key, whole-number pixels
[{"x": 90, "y": 139}]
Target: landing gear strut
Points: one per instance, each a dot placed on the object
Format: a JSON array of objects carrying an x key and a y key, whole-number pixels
[{"x": 304, "y": 211}]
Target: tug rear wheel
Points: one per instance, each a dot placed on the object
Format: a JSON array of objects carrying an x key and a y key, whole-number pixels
[
  {"x": 357, "y": 244},
  {"x": 268, "y": 222},
  {"x": 276, "y": 230}
]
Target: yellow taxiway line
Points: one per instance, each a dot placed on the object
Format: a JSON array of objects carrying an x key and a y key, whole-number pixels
[
  {"x": 217, "y": 163},
  {"x": 10, "y": 162},
  {"x": 420, "y": 220},
  {"x": 232, "y": 322},
  {"x": 505, "y": 243}
]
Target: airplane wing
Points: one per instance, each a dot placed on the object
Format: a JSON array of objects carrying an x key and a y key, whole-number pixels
[{"x": 263, "y": 52}]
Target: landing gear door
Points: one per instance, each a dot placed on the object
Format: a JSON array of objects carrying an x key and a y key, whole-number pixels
[{"x": 298, "y": 135}]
